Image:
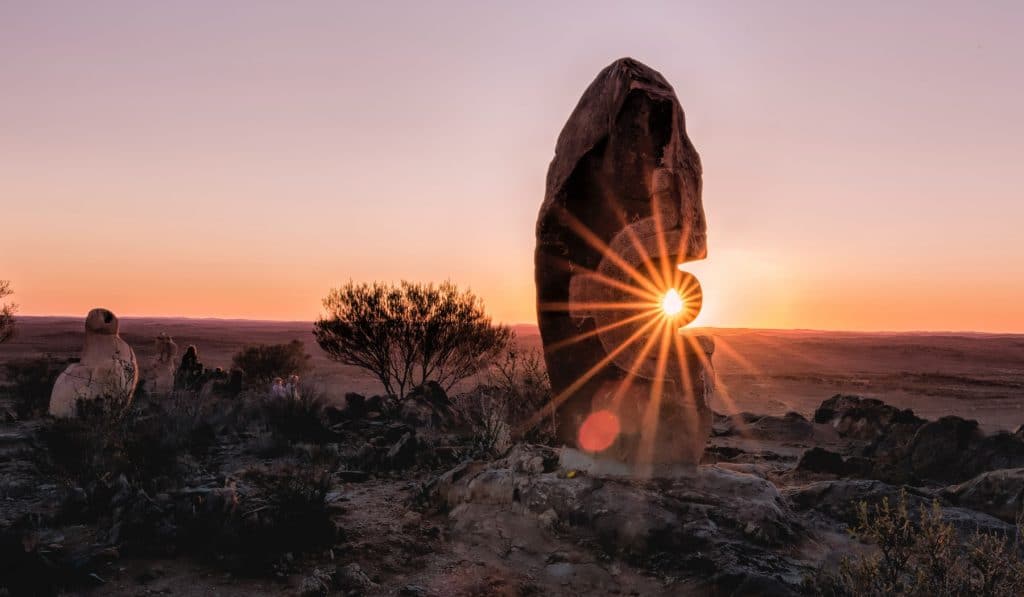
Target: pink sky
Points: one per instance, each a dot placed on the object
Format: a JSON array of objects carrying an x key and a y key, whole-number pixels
[{"x": 863, "y": 160}]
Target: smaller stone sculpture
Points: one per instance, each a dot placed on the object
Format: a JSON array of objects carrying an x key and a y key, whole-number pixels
[
  {"x": 190, "y": 374},
  {"x": 160, "y": 377},
  {"x": 107, "y": 370},
  {"x": 291, "y": 387},
  {"x": 277, "y": 388}
]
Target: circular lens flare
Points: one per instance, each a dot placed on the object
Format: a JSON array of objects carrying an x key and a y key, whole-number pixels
[
  {"x": 672, "y": 304},
  {"x": 599, "y": 431}
]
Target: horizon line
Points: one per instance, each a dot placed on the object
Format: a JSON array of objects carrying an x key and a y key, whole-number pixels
[{"x": 705, "y": 327}]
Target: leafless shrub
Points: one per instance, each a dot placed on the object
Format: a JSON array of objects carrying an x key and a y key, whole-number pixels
[{"x": 517, "y": 387}]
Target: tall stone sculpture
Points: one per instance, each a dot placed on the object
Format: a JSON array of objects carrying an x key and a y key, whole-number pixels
[
  {"x": 622, "y": 211},
  {"x": 108, "y": 369}
]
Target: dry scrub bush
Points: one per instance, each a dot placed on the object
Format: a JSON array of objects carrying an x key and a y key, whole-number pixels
[
  {"x": 299, "y": 419},
  {"x": 7, "y": 311},
  {"x": 146, "y": 443},
  {"x": 409, "y": 334},
  {"x": 927, "y": 557},
  {"x": 263, "y": 362},
  {"x": 517, "y": 387},
  {"x": 30, "y": 383}
]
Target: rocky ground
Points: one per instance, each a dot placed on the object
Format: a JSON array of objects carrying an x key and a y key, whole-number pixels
[{"x": 387, "y": 499}]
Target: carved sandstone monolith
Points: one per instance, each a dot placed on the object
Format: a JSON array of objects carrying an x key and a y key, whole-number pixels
[
  {"x": 622, "y": 210},
  {"x": 107, "y": 370}
]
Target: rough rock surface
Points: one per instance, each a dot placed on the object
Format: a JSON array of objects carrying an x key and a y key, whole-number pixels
[
  {"x": 428, "y": 408},
  {"x": 862, "y": 418},
  {"x": 838, "y": 500},
  {"x": 950, "y": 450},
  {"x": 999, "y": 493},
  {"x": 820, "y": 460},
  {"x": 792, "y": 426},
  {"x": 625, "y": 183},
  {"x": 108, "y": 368},
  {"x": 727, "y": 529}
]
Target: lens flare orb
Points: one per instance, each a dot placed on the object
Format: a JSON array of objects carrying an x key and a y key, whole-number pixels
[{"x": 599, "y": 431}]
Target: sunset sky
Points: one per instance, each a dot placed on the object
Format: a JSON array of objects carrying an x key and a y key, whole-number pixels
[{"x": 863, "y": 161}]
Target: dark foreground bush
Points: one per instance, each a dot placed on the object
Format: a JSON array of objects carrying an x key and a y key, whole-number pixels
[
  {"x": 248, "y": 530},
  {"x": 925, "y": 557},
  {"x": 30, "y": 383},
  {"x": 298, "y": 419},
  {"x": 149, "y": 444}
]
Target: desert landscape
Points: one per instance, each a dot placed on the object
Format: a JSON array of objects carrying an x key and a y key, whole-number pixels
[
  {"x": 976, "y": 376},
  {"x": 417, "y": 523},
  {"x": 472, "y": 299}
]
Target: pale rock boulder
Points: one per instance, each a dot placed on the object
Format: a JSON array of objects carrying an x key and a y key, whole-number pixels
[
  {"x": 108, "y": 368},
  {"x": 160, "y": 376}
]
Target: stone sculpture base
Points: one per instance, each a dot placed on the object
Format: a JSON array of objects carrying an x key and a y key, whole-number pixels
[{"x": 666, "y": 422}]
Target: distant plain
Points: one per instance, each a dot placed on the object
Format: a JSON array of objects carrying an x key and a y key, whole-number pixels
[{"x": 978, "y": 376}]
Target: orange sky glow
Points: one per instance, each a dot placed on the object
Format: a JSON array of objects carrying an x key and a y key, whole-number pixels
[{"x": 862, "y": 161}]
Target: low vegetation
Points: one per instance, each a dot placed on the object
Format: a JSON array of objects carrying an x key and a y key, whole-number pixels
[
  {"x": 7, "y": 311},
  {"x": 516, "y": 388},
  {"x": 30, "y": 382},
  {"x": 926, "y": 555},
  {"x": 264, "y": 362}
]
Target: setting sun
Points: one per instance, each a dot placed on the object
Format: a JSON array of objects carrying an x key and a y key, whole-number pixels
[{"x": 672, "y": 304}]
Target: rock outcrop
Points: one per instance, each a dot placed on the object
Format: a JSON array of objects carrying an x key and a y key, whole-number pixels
[
  {"x": 999, "y": 493},
  {"x": 792, "y": 426},
  {"x": 862, "y": 418},
  {"x": 107, "y": 370},
  {"x": 727, "y": 528},
  {"x": 896, "y": 446},
  {"x": 949, "y": 450},
  {"x": 621, "y": 210},
  {"x": 839, "y": 499}
]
